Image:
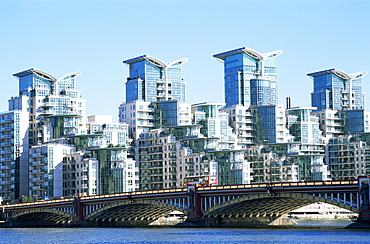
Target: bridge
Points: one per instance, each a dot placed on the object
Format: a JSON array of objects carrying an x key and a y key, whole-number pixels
[{"x": 246, "y": 205}]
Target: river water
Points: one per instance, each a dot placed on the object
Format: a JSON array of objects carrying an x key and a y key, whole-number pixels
[{"x": 331, "y": 233}]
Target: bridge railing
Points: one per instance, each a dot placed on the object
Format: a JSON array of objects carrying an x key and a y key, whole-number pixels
[
  {"x": 281, "y": 185},
  {"x": 14, "y": 205},
  {"x": 123, "y": 194}
]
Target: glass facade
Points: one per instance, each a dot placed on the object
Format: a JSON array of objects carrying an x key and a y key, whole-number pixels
[
  {"x": 152, "y": 80},
  {"x": 166, "y": 113},
  {"x": 214, "y": 122},
  {"x": 353, "y": 121},
  {"x": 114, "y": 170},
  {"x": 264, "y": 124},
  {"x": 335, "y": 90},
  {"x": 250, "y": 77},
  {"x": 303, "y": 126},
  {"x": 232, "y": 167}
]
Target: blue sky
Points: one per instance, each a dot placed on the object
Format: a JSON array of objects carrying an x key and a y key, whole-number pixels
[{"x": 94, "y": 37}]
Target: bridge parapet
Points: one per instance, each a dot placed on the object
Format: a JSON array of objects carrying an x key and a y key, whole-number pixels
[{"x": 284, "y": 185}]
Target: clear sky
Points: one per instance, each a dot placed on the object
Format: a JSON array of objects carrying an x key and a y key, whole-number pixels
[{"x": 94, "y": 37}]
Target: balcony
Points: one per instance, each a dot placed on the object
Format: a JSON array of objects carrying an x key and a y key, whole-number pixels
[
  {"x": 145, "y": 117},
  {"x": 6, "y": 159},
  {"x": 70, "y": 125},
  {"x": 156, "y": 180},
  {"x": 6, "y": 121},
  {"x": 48, "y": 112},
  {"x": 70, "y": 105},
  {"x": 6, "y": 128},
  {"x": 7, "y": 136},
  {"x": 146, "y": 109},
  {"x": 38, "y": 171},
  {"x": 38, "y": 155},
  {"x": 6, "y": 151},
  {"x": 38, "y": 188},
  {"x": 47, "y": 104},
  {"x": 37, "y": 180},
  {"x": 157, "y": 165},
  {"x": 161, "y": 95},
  {"x": 6, "y": 167},
  {"x": 161, "y": 81},
  {"x": 6, "y": 175},
  {"x": 37, "y": 163}
]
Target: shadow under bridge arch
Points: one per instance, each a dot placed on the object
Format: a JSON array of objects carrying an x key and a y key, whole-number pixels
[
  {"x": 139, "y": 212},
  {"x": 41, "y": 217},
  {"x": 265, "y": 205}
]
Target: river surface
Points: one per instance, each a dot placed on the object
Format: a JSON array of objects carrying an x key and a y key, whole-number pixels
[{"x": 331, "y": 233}]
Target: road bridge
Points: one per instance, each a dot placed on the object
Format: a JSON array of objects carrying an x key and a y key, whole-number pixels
[{"x": 213, "y": 206}]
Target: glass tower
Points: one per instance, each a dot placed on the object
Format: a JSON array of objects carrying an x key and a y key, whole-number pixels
[
  {"x": 250, "y": 77},
  {"x": 336, "y": 90},
  {"x": 152, "y": 80},
  {"x": 55, "y": 105}
]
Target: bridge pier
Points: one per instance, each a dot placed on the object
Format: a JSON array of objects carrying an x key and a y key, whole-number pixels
[
  {"x": 363, "y": 220},
  {"x": 194, "y": 203},
  {"x": 78, "y": 209},
  {"x": 364, "y": 203}
]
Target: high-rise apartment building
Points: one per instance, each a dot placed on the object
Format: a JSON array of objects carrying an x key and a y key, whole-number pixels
[
  {"x": 150, "y": 89},
  {"x": 241, "y": 120},
  {"x": 340, "y": 102},
  {"x": 102, "y": 162},
  {"x": 171, "y": 113},
  {"x": 13, "y": 155},
  {"x": 80, "y": 174},
  {"x": 152, "y": 80},
  {"x": 46, "y": 108},
  {"x": 113, "y": 133},
  {"x": 116, "y": 171},
  {"x": 269, "y": 124},
  {"x": 250, "y": 77},
  {"x": 336, "y": 90},
  {"x": 269, "y": 166},
  {"x": 232, "y": 166},
  {"x": 139, "y": 116},
  {"x": 348, "y": 156},
  {"x": 214, "y": 122},
  {"x": 55, "y": 105},
  {"x": 46, "y": 169},
  {"x": 303, "y": 126}
]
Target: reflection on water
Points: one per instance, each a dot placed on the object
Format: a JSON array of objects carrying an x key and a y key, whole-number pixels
[
  {"x": 323, "y": 222},
  {"x": 191, "y": 235}
]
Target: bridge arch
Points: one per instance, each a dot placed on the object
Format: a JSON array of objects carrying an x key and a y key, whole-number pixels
[
  {"x": 267, "y": 205},
  {"x": 44, "y": 215},
  {"x": 133, "y": 210}
]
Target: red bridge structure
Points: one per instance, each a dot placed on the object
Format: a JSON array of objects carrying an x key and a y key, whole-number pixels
[{"x": 245, "y": 205}]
